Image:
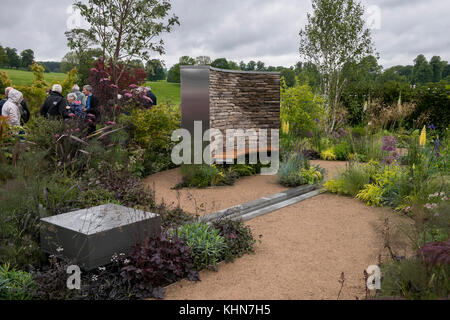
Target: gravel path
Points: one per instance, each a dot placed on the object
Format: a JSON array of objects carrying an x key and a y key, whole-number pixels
[
  {"x": 208, "y": 200},
  {"x": 305, "y": 247}
]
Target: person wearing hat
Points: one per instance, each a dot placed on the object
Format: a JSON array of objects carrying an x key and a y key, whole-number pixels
[
  {"x": 24, "y": 111},
  {"x": 55, "y": 104},
  {"x": 11, "y": 108}
]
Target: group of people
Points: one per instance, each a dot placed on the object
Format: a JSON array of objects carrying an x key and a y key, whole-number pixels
[{"x": 78, "y": 104}]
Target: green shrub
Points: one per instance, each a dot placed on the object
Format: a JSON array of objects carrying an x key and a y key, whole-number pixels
[
  {"x": 371, "y": 194},
  {"x": 15, "y": 285},
  {"x": 342, "y": 150},
  {"x": 152, "y": 128},
  {"x": 312, "y": 175},
  {"x": 350, "y": 181},
  {"x": 411, "y": 279},
  {"x": 173, "y": 218},
  {"x": 127, "y": 190},
  {"x": 157, "y": 160},
  {"x": 297, "y": 171},
  {"x": 238, "y": 238},
  {"x": 22, "y": 204},
  {"x": 300, "y": 107},
  {"x": 200, "y": 176},
  {"x": 244, "y": 170},
  {"x": 206, "y": 243},
  {"x": 289, "y": 171},
  {"x": 95, "y": 197},
  {"x": 359, "y": 132},
  {"x": 42, "y": 131},
  {"x": 367, "y": 146},
  {"x": 328, "y": 155},
  {"x": 5, "y": 82}
]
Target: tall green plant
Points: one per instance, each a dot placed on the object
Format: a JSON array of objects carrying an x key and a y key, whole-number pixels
[
  {"x": 335, "y": 37},
  {"x": 206, "y": 243},
  {"x": 300, "y": 107}
]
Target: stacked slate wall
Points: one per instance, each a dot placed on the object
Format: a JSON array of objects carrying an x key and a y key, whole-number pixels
[{"x": 244, "y": 100}]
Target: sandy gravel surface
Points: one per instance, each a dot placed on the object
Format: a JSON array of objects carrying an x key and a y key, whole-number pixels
[
  {"x": 305, "y": 248},
  {"x": 208, "y": 200}
]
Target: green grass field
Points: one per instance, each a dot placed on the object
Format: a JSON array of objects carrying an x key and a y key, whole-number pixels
[
  {"x": 166, "y": 92},
  {"x": 19, "y": 77}
]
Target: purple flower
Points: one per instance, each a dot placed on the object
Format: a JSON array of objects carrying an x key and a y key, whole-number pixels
[
  {"x": 393, "y": 157},
  {"x": 432, "y": 127},
  {"x": 317, "y": 120},
  {"x": 437, "y": 147},
  {"x": 114, "y": 86},
  {"x": 233, "y": 236},
  {"x": 128, "y": 95},
  {"x": 147, "y": 99},
  {"x": 133, "y": 86},
  {"x": 389, "y": 143}
]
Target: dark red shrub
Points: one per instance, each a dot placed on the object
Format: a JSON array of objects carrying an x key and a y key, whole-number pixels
[
  {"x": 159, "y": 262},
  {"x": 435, "y": 253},
  {"x": 128, "y": 75},
  {"x": 101, "y": 83}
]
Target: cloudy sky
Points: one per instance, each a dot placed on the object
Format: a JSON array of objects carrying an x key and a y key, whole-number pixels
[{"x": 265, "y": 30}]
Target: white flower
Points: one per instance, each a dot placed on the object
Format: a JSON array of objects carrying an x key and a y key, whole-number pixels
[
  {"x": 126, "y": 261},
  {"x": 59, "y": 249},
  {"x": 101, "y": 268},
  {"x": 94, "y": 278}
]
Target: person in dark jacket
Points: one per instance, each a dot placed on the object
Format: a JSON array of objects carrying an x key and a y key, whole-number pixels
[
  {"x": 151, "y": 95},
  {"x": 55, "y": 104},
  {"x": 92, "y": 107},
  {"x": 92, "y": 102},
  {"x": 25, "y": 112}
]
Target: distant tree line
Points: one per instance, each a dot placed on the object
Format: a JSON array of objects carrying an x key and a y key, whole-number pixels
[
  {"x": 11, "y": 59},
  {"x": 173, "y": 75},
  {"x": 420, "y": 73}
]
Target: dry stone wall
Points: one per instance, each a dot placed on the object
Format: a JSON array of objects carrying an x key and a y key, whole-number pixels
[{"x": 244, "y": 100}]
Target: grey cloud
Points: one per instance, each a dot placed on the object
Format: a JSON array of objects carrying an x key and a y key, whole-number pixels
[{"x": 263, "y": 30}]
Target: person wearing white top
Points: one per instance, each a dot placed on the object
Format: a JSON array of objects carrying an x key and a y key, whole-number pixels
[{"x": 11, "y": 108}]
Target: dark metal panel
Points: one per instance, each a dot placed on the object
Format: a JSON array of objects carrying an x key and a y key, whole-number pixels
[{"x": 194, "y": 97}]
